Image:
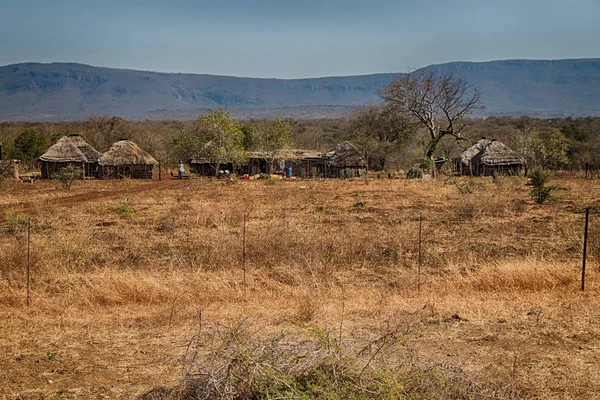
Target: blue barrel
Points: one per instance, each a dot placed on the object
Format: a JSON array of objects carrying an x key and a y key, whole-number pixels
[{"x": 288, "y": 172}]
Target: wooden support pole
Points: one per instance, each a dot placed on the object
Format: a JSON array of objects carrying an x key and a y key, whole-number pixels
[
  {"x": 28, "y": 260},
  {"x": 159, "y": 171},
  {"x": 585, "y": 241}
]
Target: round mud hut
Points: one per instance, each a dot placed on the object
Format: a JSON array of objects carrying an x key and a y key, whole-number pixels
[
  {"x": 125, "y": 159},
  {"x": 64, "y": 153},
  {"x": 91, "y": 154},
  {"x": 488, "y": 158},
  {"x": 345, "y": 161}
]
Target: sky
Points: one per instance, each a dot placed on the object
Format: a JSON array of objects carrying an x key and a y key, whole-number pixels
[{"x": 293, "y": 38}]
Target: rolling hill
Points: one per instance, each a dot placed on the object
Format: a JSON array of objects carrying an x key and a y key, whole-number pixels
[{"x": 69, "y": 91}]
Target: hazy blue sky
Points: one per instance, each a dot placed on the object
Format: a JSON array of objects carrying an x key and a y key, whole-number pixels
[{"x": 286, "y": 38}]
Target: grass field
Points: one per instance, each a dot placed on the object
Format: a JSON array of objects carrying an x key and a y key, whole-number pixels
[{"x": 140, "y": 285}]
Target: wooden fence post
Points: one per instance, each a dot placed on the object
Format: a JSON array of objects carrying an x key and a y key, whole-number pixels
[{"x": 585, "y": 241}]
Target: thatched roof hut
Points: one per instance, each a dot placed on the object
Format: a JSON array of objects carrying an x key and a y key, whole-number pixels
[
  {"x": 92, "y": 155},
  {"x": 126, "y": 159},
  {"x": 345, "y": 160},
  {"x": 64, "y": 151},
  {"x": 346, "y": 154},
  {"x": 88, "y": 151},
  {"x": 61, "y": 154},
  {"x": 489, "y": 157}
]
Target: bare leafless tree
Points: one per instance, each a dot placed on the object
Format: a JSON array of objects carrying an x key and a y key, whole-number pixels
[{"x": 435, "y": 101}]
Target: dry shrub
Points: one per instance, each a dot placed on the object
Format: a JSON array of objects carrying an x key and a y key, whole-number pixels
[
  {"x": 517, "y": 276},
  {"x": 13, "y": 261},
  {"x": 108, "y": 289},
  {"x": 467, "y": 210},
  {"x": 306, "y": 308},
  {"x": 570, "y": 238},
  {"x": 519, "y": 206},
  {"x": 593, "y": 236},
  {"x": 10, "y": 296},
  {"x": 229, "y": 362}
]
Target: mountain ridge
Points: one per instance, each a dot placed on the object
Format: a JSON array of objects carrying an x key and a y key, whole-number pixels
[{"x": 70, "y": 91}]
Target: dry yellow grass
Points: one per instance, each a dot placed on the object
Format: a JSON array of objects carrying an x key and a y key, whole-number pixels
[{"x": 116, "y": 295}]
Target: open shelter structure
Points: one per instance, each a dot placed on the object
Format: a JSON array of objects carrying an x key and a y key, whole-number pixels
[
  {"x": 344, "y": 161},
  {"x": 125, "y": 159},
  {"x": 293, "y": 162},
  {"x": 488, "y": 158}
]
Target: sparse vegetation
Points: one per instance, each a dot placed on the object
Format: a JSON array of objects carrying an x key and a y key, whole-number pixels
[
  {"x": 226, "y": 363},
  {"x": 16, "y": 221},
  {"x": 67, "y": 176},
  {"x": 125, "y": 210},
  {"x": 499, "y": 313}
]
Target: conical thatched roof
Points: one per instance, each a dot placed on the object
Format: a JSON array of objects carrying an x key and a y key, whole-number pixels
[
  {"x": 345, "y": 154},
  {"x": 64, "y": 150},
  {"x": 125, "y": 152},
  {"x": 90, "y": 153},
  {"x": 490, "y": 153}
]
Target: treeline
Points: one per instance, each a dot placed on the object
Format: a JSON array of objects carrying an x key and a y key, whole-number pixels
[{"x": 388, "y": 140}]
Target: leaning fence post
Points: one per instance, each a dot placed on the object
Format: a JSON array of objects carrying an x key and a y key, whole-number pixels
[
  {"x": 28, "y": 259},
  {"x": 585, "y": 240},
  {"x": 419, "y": 267}
]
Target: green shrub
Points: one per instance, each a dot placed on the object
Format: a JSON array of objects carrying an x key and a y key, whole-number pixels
[
  {"x": 468, "y": 187},
  {"x": 358, "y": 201},
  {"x": 427, "y": 164},
  {"x": 540, "y": 192},
  {"x": 67, "y": 175},
  {"x": 414, "y": 173},
  {"x": 16, "y": 222},
  {"x": 125, "y": 210}
]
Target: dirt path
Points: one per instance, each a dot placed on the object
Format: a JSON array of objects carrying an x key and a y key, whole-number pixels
[{"x": 68, "y": 201}]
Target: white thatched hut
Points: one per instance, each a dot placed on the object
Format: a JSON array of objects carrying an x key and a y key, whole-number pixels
[
  {"x": 490, "y": 157},
  {"x": 62, "y": 154},
  {"x": 126, "y": 159}
]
